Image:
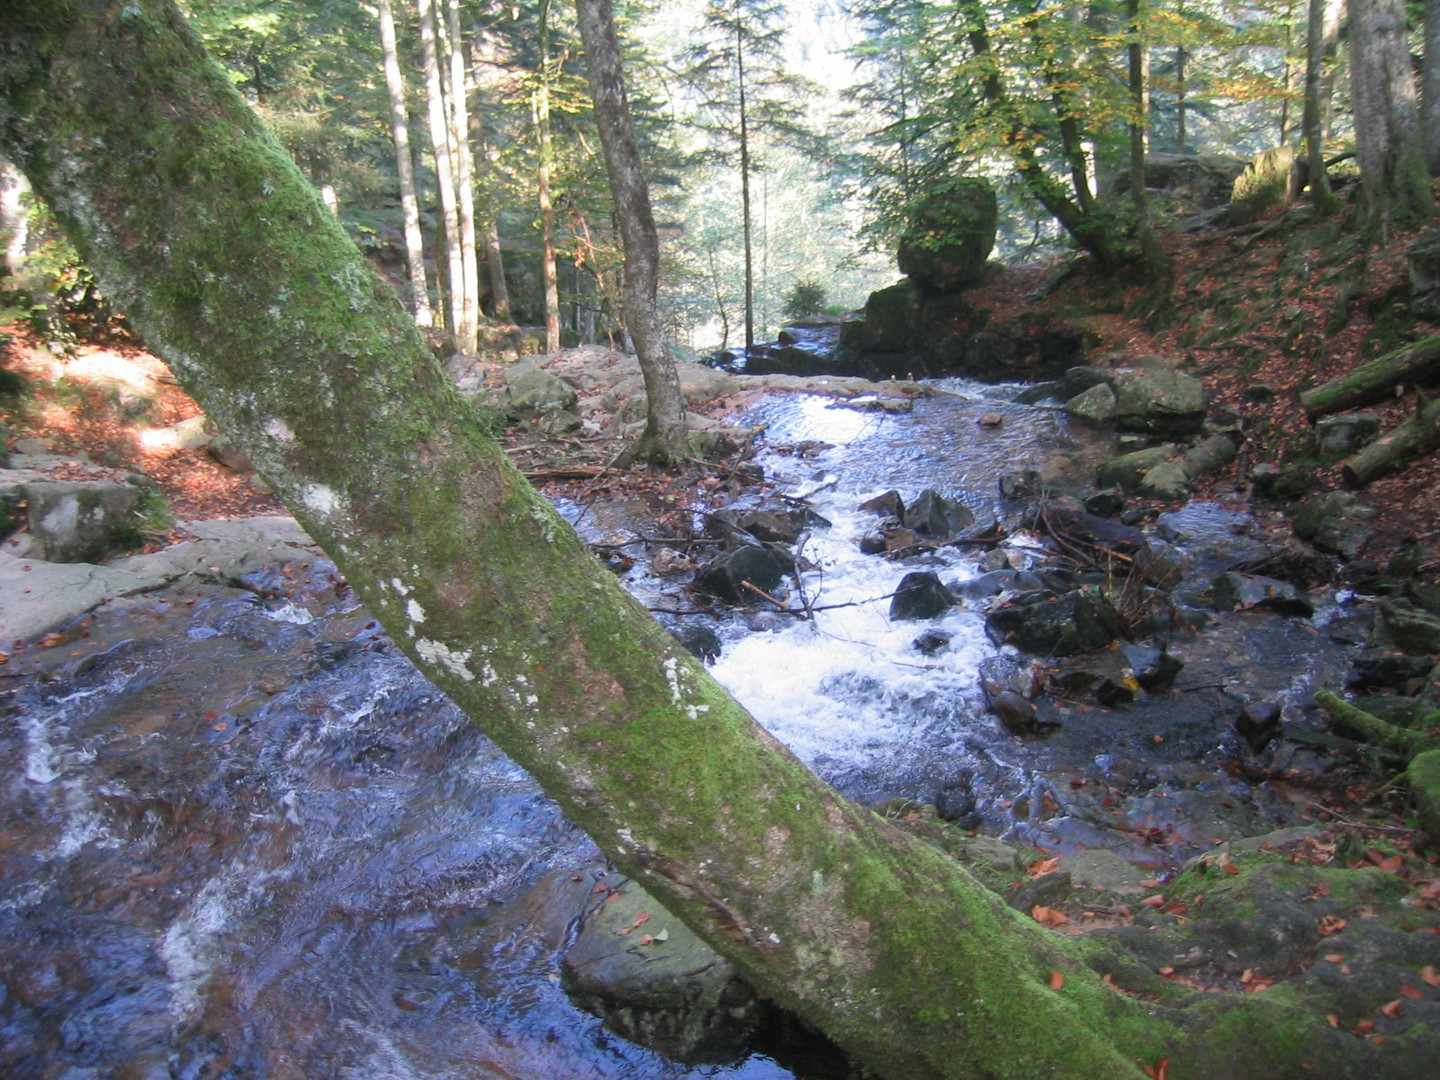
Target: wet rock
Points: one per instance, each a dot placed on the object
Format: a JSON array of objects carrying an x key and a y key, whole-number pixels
[
  {"x": 873, "y": 543},
  {"x": 888, "y": 505},
  {"x": 702, "y": 642},
  {"x": 1335, "y": 522},
  {"x": 1128, "y": 470},
  {"x": 1015, "y": 713},
  {"x": 931, "y": 642},
  {"x": 1259, "y": 723},
  {"x": 724, "y": 575},
  {"x": 1233, "y": 591},
  {"x": 1075, "y": 524},
  {"x": 1020, "y": 484},
  {"x": 1159, "y": 401},
  {"x": 1154, "y": 669},
  {"x": 1046, "y": 889},
  {"x": 1412, "y": 630},
  {"x": 956, "y": 800},
  {"x": 1051, "y": 624},
  {"x": 673, "y": 994},
  {"x": 1388, "y": 672},
  {"x": 776, "y": 525},
  {"x": 986, "y": 585},
  {"x": 1268, "y": 184},
  {"x": 1423, "y": 776},
  {"x": 1166, "y": 481},
  {"x": 1340, "y": 436},
  {"x": 1095, "y": 406},
  {"x": 920, "y": 596},
  {"x": 1050, "y": 390},
  {"x": 1106, "y": 504},
  {"x": 936, "y": 516},
  {"x": 990, "y": 419},
  {"x": 1104, "y": 872},
  {"x": 1111, "y": 693}
]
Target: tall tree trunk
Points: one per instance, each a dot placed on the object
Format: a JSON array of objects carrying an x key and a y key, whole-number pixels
[
  {"x": 483, "y": 62},
  {"x": 468, "y": 328},
  {"x": 1180, "y": 57},
  {"x": 664, "y": 436},
  {"x": 14, "y": 219},
  {"x": 495, "y": 264},
  {"x": 1289, "y": 78},
  {"x": 1314, "y": 118},
  {"x": 444, "y": 166},
  {"x": 548, "y": 276},
  {"x": 1387, "y": 136},
  {"x": 159, "y": 172},
  {"x": 1430, "y": 88},
  {"x": 405, "y": 167},
  {"x": 747, "y": 223}
]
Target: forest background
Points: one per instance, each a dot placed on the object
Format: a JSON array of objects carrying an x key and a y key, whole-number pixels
[{"x": 787, "y": 146}]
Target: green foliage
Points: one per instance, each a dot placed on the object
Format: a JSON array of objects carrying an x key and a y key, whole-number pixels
[{"x": 806, "y": 297}]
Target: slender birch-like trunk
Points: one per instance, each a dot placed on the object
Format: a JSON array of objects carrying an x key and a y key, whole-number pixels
[{"x": 405, "y": 168}]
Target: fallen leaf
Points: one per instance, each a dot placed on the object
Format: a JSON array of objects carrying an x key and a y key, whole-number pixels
[
  {"x": 1154, "y": 901},
  {"x": 1431, "y": 977},
  {"x": 1330, "y": 925},
  {"x": 1047, "y": 916},
  {"x": 1364, "y": 1027},
  {"x": 1057, "y": 980},
  {"x": 1259, "y": 984},
  {"x": 1334, "y": 1020},
  {"x": 1149, "y": 883},
  {"x": 1041, "y": 867},
  {"x": 1408, "y": 990},
  {"x": 1231, "y": 868},
  {"x": 1393, "y": 1009},
  {"x": 646, "y": 939},
  {"x": 1346, "y": 970},
  {"x": 1391, "y": 864},
  {"x": 1158, "y": 1072},
  {"x": 600, "y": 887},
  {"x": 1335, "y": 957}
]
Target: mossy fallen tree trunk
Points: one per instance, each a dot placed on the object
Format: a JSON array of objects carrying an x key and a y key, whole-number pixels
[
  {"x": 1395, "y": 448},
  {"x": 1376, "y": 380},
  {"x": 201, "y": 229}
]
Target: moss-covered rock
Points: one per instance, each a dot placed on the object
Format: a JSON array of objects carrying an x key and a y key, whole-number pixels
[{"x": 950, "y": 235}]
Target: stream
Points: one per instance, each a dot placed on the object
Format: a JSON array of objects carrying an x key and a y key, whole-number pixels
[{"x": 241, "y": 837}]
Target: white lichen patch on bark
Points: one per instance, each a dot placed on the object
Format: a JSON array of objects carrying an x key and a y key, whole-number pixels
[
  {"x": 452, "y": 660},
  {"x": 321, "y": 499},
  {"x": 414, "y": 612},
  {"x": 278, "y": 430}
]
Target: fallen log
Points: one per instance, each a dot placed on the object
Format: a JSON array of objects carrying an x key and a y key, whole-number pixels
[
  {"x": 1374, "y": 381},
  {"x": 1395, "y": 448}
]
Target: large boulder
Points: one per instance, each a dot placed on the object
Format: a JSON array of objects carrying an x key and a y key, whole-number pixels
[
  {"x": 1190, "y": 182},
  {"x": 1269, "y": 183},
  {"x": 655, "y": 983},
  {"x": 920, "y": 596},
  {"x": 1159, "y": 401},
  {"x": 81, "y": 520},
  {"x": 531, "y": 391},
  {"x": 724, "y": 577},
  {"x": 950, "y": 236},
  {"x": 891, "y": 317},
  {"x": 1055, "y": 624}
]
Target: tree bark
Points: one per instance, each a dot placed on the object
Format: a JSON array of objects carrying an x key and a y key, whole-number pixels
[
  {"x": 467, "y": 331},
  {"x": 548, "y": 275},
  {"x": 1313, "y": 117},
  {"x": 1374, "y": 381},
  {"x": 405, "y": 167},
  {"x": 664, "y": 436},
  {"x": 1395, "y": 183},
  {"x": 745, "y": 211},
  {"x": 444, "y": 166},
  {"x": 200, "y": 226},
  {"x": 1430, "y": 88}
]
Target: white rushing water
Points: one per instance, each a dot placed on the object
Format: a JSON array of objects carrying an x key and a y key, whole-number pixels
[{"x": 850, "y": 687}]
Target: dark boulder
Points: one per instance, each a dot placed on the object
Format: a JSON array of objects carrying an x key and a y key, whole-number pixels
[
  {"x": 723, "y": 576},
  {"x": 921, "y": 595},
  {"x": 1246, "y": 592},
  {"x": 950, "y": 236},
  {"x": 1055, "y": 624},
  {"x": 937, "y": 517}
]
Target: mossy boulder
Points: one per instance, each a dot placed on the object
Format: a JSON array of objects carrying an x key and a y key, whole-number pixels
[
  {"x": 1266, "y": 185},
  {"x": 891, "y": 318},
  {"x": 950, "y": 235}
]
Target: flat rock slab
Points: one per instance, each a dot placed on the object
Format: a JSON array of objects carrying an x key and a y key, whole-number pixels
[{"x": 37, "y": 597}]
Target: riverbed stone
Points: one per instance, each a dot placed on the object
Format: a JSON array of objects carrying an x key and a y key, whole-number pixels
[
  {"x": 671, "y": 993},
  {"x": 1335, "y": 522},
  {"x": 1154, "y": 669},
  {"x": 1411, "y": 629},
  {"x": 1159, "y": 401},
  {"x": 1233, "y": 591},
  {"x": 936, "y": 516},
  {"x": 1340, "y": 436},
  {"x": 1095, "y": 406},
  {"x": 1128, "y": 470},
  {"x": 920, "y": 596},
  {"x": 1050, "y": 624},
  {"x": 722, "y": 577},
  {"x": 1166, "y": 481},
  {"x": 889, "y": 504}
]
